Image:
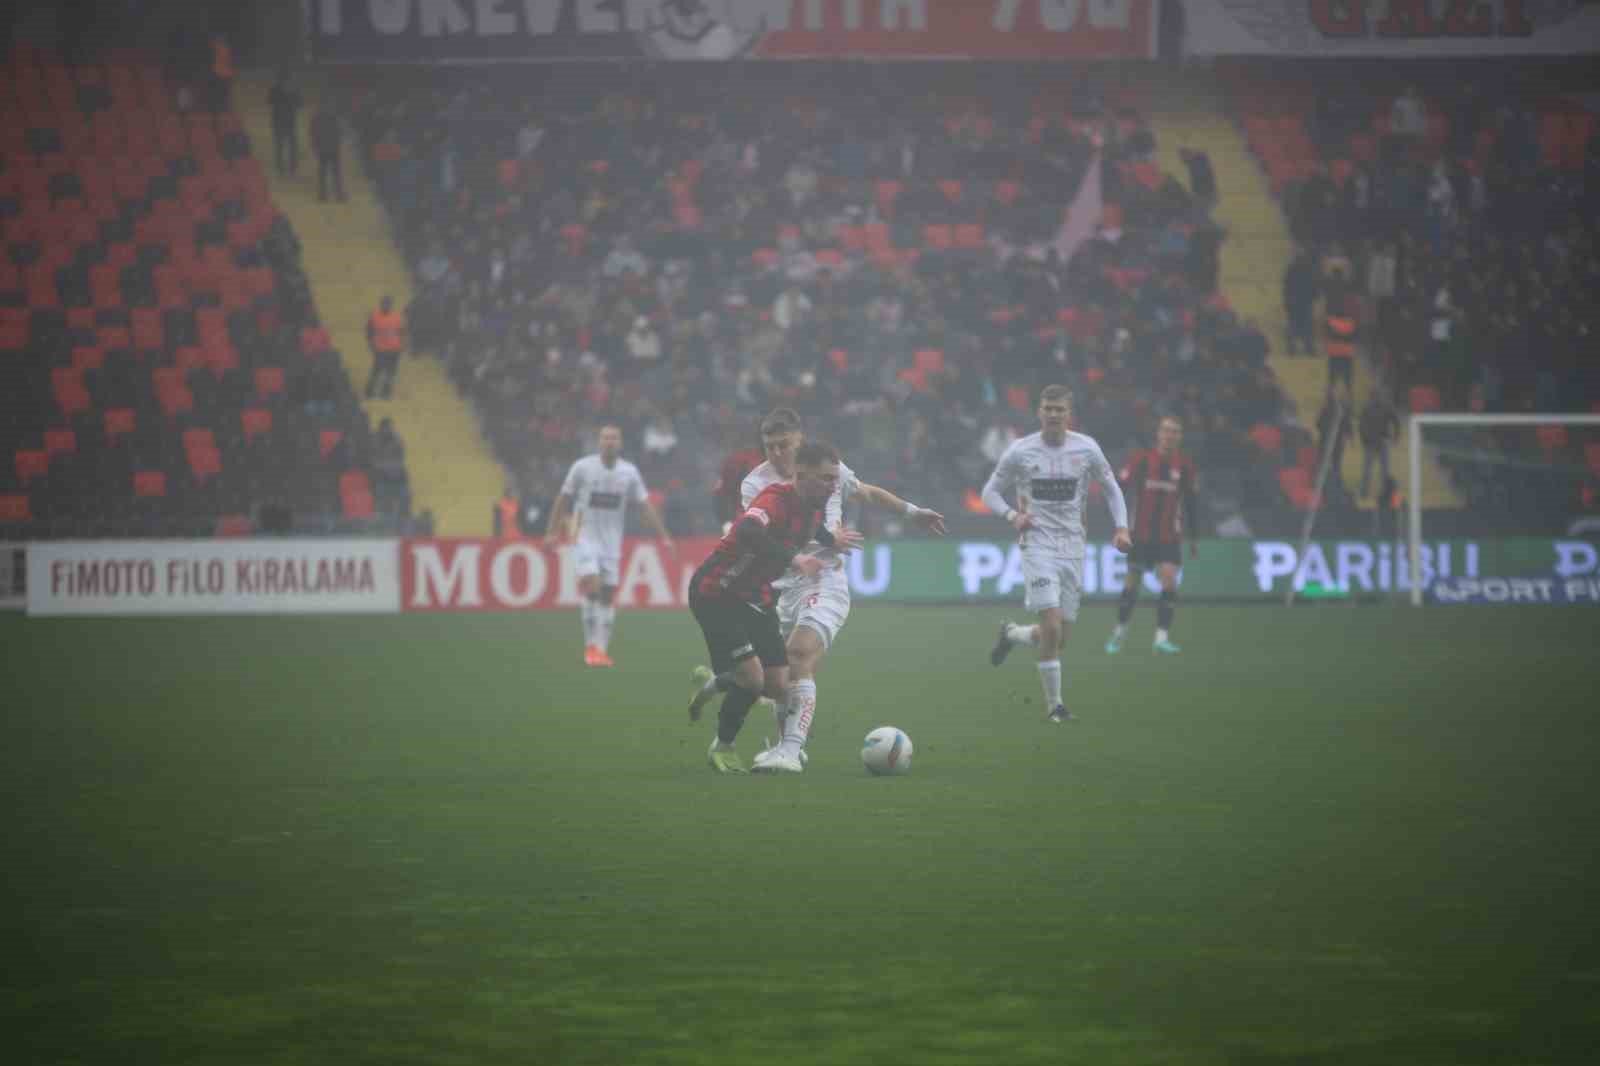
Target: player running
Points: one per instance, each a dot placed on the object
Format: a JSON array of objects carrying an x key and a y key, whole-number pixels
[
  {"x": 597, "y": 491},
  {"x": 811, "y": 610},
  {"x": 732, "y": 598},
  {"x": 1048, "y": 472},
  {"x": 1164, "y": 485}
]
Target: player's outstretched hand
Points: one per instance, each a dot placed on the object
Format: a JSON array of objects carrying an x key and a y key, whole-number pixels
[
  {"x": 932, "y": 521},
  {"x": 1122, "y": 541},
  {"x": 1023, "y": 521},
  {"x": 846, "y": 539}
]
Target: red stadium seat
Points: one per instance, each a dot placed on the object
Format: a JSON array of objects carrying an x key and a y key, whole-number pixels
[
  {"x": 14, "y": 508},
  {"x": 355, "y": 494},
  {"x": 234, "y": 525},
  {"x": 887, "y": 193},
  {"x": 31, "y": 463},
  {"x": 1552, "y": 438},
  {"x": 969, "y": 235},
  {"x": 269, "y": 381},
  {"x": 929, "y": 360},
  {"x": 327, "y": 440},
  {"x": 60, "y": 440},
  {"x": 937, "y": 237},
  {"x": 1423, "y": 399},
  {"x": 149, "y": 483},
  {"x": 1266, "y": 437},
  {"x": 255, "y": 421},
  {"x": 119, "y": 420}
]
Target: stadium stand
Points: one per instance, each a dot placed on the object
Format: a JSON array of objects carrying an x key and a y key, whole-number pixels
[
  {"x": 159, "y": 349},
  {"x": 1468, "y": 209},
  {"x": 682, "y": 249}
]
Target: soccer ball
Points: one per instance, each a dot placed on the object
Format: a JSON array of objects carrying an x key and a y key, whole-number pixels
[{"x": 886, "y": 751}]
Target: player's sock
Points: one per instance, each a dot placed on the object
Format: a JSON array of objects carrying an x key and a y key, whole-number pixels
[
  {"x": 1120, "y": 631},
  {"x": 605, "y": 620},
  {"x": 1022, "y": 634},
  {"x": 735, "y": 706},
  {"x": 802, "y": 707},
  {"x": 586, "y": 612},
  {"x": 1125, "y": 607},
  {"x": 1050, "y": 681},
  {"x": 1164, "y": 612}
]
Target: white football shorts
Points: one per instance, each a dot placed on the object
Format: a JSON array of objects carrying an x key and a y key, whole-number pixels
[
  {"x": 1053, "y": 579},
  {"x": 589, "y": 558},
  {"x": 822, "y": 606}
]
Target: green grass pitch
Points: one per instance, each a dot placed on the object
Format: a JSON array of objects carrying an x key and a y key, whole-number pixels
[{"x": 1321, "y": 835}]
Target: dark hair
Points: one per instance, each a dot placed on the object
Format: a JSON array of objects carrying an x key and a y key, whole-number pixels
[
  {"x": 780, "y": 420},
  {"x": 1056, "y": 392},
  {"x": 815, "y": 453}
]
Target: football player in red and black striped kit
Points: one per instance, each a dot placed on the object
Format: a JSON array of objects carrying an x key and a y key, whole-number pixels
[
  {"x": 1163, "y": 483},
  {"x": 731, "y": 593}
]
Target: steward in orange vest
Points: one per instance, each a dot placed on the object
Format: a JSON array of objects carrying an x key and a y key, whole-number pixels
[{"x": 386, "y": 329}]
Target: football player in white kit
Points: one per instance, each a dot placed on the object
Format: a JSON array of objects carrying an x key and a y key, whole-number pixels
[
  {"x": 1048, "y": 472},
  {"x": 811, "y": 610},
  {"x": 597, "y": 491}
]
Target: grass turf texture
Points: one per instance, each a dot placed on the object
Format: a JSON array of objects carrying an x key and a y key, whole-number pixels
[{"x": 1320, "y": 835}]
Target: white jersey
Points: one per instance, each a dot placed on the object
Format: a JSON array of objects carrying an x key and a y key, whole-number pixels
[
  {"x": 832, "y": 512},
  {"x": 1051, "y": 483},
  {"x": 600, "y": 496}
]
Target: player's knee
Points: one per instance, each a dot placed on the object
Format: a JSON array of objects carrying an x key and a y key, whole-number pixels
[{"x": 749, "y": 675}]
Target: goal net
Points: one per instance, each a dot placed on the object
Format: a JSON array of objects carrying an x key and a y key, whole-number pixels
[{"x": 1530, "y": 489}]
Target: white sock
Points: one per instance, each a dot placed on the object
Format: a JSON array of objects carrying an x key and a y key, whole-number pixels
[
  {"x": 1050, "y": 681},
  {"x": 586, "y": 610},
  {"x": 780, "y": 710},
  {"x": 1120, "y": 632},
  {"x": 1161, "y": 634},
  {"x": 803, "y": 707},
  {"x": 605, "y": 619},
  {"x": 1022, "y": 634}
]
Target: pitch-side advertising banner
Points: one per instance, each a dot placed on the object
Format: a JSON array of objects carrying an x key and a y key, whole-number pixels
[
  {"x": 517, "y": 575},
  {"x": 213, "y": 577},
  {"x": 369, "y": 31},
  {"x": 1397, "y": 28}
]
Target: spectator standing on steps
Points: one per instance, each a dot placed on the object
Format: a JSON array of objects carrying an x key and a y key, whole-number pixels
[
  {"x": 325, "y": 137},
  {"x": 285, "y": 103},
  {"x": 386, "y": 329}
]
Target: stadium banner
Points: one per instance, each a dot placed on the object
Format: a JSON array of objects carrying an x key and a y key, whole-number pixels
[
  {"x": 986, "y": 571},
  {"x": 104, "y": 577},
  {"x": 477, "y": 31},
  {"x": 1415, "y": 29},
  {"x": 518, "y": 574}
]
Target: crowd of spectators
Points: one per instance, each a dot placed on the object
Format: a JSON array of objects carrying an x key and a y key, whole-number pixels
[
  {"x": 1459, "y": 222},
  {"x": 679, "y": 249}
]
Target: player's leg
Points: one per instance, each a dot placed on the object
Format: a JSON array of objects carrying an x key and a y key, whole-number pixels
[
  {"x": 606, "y": 608},
  {"x": 1039, "y": 583},
  {"x": 588, "y": 569},
  {"x": 739, "y": 677},
  {"x": 1069, "y": 581},
  {"x": 1130, "y": 596},
  {"x": 804, "y": 650},
  {"x": 1168, "y": 572}
]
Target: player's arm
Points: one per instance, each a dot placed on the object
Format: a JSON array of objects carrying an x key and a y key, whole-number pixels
[
  {"x": 932, "y": 521},
  {"x": 556, "y": 530},
  {"x": 652, "y": 517},
  {"x": 994, "y": 493},
  {"x": 1188, "y": 499},
  {"x": 1114, "y": 499}
]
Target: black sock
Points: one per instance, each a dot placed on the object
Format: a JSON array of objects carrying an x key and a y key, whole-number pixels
[
  {"x": 1164, "y": 610},
  {"x": 1125, "y": 608},
  {"x": 730, "y": 719}
]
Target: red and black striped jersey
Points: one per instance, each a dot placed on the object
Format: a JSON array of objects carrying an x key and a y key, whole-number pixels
[
  {"x": 734, "y": 569},
  {"x": 1163, "y": 489}
]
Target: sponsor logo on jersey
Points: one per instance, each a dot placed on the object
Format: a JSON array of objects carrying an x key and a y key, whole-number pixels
[
  {"x": 605, "y": 501},
  {"x": 1055, "y": 489}
]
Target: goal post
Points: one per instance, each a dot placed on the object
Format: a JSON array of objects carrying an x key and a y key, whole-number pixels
[{"x": 1416, "y": 431}]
